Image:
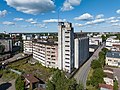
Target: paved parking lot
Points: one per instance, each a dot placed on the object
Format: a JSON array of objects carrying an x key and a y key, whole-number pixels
[
  {"x": 7, "y": 85},
  {"x": 117, "y": 73}
]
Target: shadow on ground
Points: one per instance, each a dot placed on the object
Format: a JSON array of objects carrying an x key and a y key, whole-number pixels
[{"x": 5, "y": 86}]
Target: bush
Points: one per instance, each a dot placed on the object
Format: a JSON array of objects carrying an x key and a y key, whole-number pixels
[
  {"x": 96, "y": 64},
  {"x": 19, "y": 83},
  {"x": 115, "y": 87}
]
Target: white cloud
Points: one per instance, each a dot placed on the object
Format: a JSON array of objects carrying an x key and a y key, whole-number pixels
[
  {"x": 99, "y": 16},
  {"x": 118, "y": 11},
  {"x": 68, "y": 4},
  {"x": 29, "y": 20},
  {"x": 111, "y": 18},
  {"x": 41, "y": 25},
  {"x": 31, "y": 6},
  {"x": 84, "y": 17},
  {"x": 115, "y": 24},
  {"x": 8, "y": 23},
  {"x": 97, "y": 21},
  {"x": 114, "y": 21},
  {"x": 34, "y": 22},
  {"x": 3, "y": 13},
  {"x": 18, "y": 19},
  {"x": 79, "y": 25},
  {"x": 53, "y": 11},
  {"x": 54, "y": 20}
]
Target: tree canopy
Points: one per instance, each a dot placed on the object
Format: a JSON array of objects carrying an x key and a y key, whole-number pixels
[
  {"x": 19, "y": 83},
  {"x": 61, "y": 82}
]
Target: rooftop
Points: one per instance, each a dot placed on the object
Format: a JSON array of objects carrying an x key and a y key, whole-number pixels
[
  {"x": 107, "y": 68},
  {"x": 109, "y": 75},
  {"x": 46, "y": 43},
  {"x": 106, "y": 86},
  {"x": 113, "y": 54},
  {"x": 31, "y": 78}
]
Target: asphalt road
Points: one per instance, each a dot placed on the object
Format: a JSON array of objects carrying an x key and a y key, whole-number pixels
[{"x": 82, "y": 73}]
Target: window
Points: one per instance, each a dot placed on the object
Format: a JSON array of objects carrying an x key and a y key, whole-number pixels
[
  {"x": 67, "y": 41},
  {"x": 115, "y": 60},
  {"x": 66, "y": 36},
  {"x": 67, "y": 46},
  {"x": 67, "y": 50},
  {"x": 67, "y": 62},
  {"x": 109, "y": 60},
  {"x": 67, "y": 54},
  {"x": 67, "y": 66},
  {"x": 67, "y": 58}
]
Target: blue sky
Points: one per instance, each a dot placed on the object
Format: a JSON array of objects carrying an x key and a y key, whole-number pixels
[{"x": 42, "y": 15}]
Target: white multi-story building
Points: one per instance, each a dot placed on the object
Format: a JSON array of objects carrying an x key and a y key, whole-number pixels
[
  {"x": 28, "y": 46},
  {"x": 113, "y": 58},
  {"x": 81, "y": 50},
  {"x": 65, "y": 46},
  {"x": 95, "y": 40},
  {"x": 46, "y": 53},
  {"x": 113, "y": 44}
]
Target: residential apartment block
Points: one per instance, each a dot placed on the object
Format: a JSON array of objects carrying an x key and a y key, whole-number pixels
[
  {"x": 113, "y": 58},
  {"x": 81, "y": 50},
  {"x": 28, "y": 46},
  {"x": 7, "y": 43},
  {"x": 113, "y": 44},
  {"x": 65, "y": 46},
  {"x": 95, "y": 40},
  {"x": 46, "y": 53}
]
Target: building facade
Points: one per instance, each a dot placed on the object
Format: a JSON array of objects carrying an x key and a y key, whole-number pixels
[
  {"x": 65, "y": 46},
  {"x": 46, "y": 53},
  {"x": 7, "y": 43},
  {"x": 81, "y": 51},
  {"x": 28, "y": 46},
  {"x": 95, "y": 40},
  {"x": 113, "y": 58}
]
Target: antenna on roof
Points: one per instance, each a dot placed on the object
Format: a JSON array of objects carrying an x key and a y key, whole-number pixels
[{"x": 58, "y": 15}]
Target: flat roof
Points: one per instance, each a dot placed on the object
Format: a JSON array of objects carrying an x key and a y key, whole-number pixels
[
  {"x": 106, "y": 86},
  {"x": 113, "y": 54},
  {"x": 46, "y": 43}
]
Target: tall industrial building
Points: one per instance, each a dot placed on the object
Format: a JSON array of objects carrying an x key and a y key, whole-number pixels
[
  {"x": 65, "y": 46},
  {"x": 81, "y": 49}
]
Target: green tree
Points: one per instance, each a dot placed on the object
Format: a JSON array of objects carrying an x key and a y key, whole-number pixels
[
  {"x": 50, "y": 86},
  {"x": 102, "y": 58},
  {"x": 19, "y": 83},
  {"x": 103, "y": 38},
  {"x": 115, "y": 87},
  {"x": 80, "y": 87},
  {"x": 95, "y": 64},
  {"x": 105, "y": 50},
  {"x": 60, "y": 82},
  {"x": 71, "y": 85},
  {"x": 97, "y": 77}
]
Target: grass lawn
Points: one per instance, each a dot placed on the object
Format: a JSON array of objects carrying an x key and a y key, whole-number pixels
[
  {"x": 90, "y": 74},
  {"x": 7, "y": 75},
  {"x": 36, "y": 69},
  {"x": 90, "y": 87}
]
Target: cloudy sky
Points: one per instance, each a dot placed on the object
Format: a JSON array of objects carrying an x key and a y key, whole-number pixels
[{"x": 42, "y": 15}]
